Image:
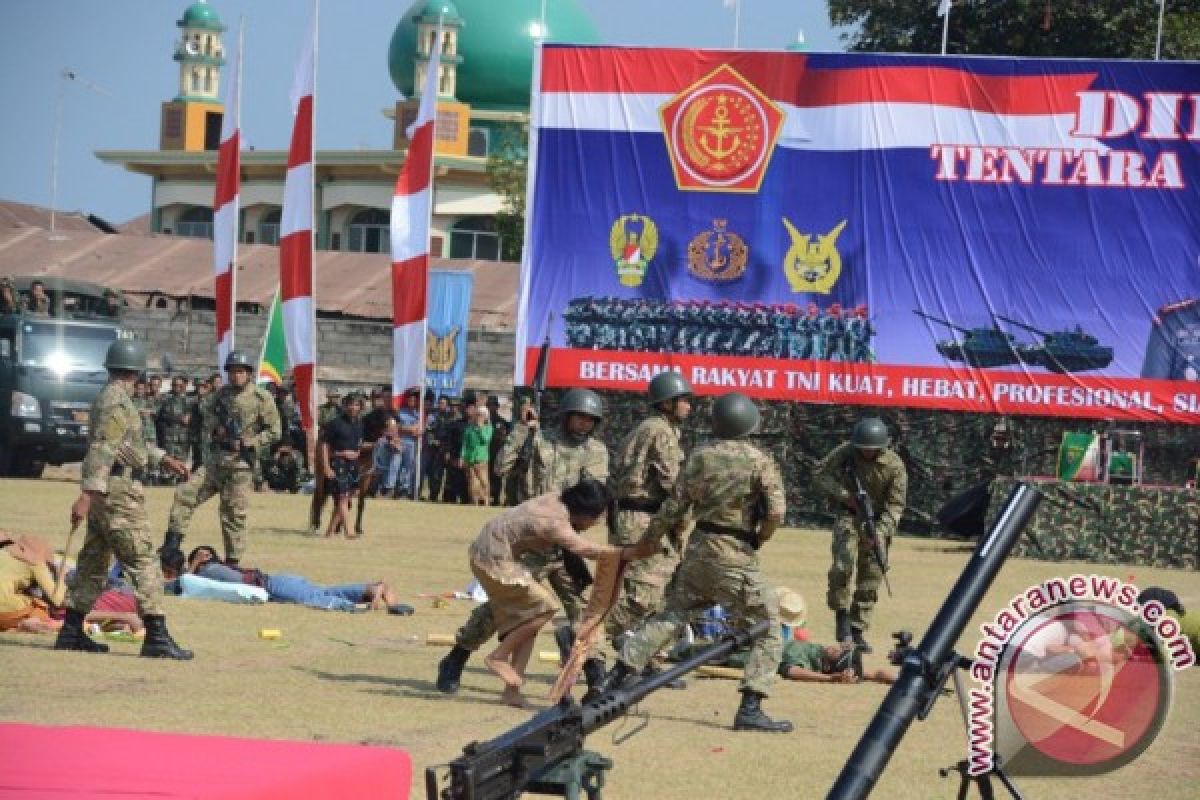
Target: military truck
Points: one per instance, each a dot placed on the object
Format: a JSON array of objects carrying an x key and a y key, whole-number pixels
[{"x": 51, "y": 368}]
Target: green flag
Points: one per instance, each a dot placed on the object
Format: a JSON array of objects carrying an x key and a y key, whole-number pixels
[{"x": 274, "y": 363}]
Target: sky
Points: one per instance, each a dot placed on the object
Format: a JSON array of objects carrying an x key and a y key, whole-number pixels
[{"x": 124, "y": 49}]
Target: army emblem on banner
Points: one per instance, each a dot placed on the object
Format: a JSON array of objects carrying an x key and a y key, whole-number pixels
[
  {"x": 441, "y": 352},
  {"x": 717, "y": 254},
  {"x": 720, "y": 133},
  {"x": 633, "y": 241},
  {"x": 812, "y": 266}
]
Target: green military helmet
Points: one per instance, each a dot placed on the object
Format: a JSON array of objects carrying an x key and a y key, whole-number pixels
[
  {"x": 734, "y": 415},
  {"x": 239, "y": 358},
  {"x": 870, "y": 433},
  {"x": 582, "y": 401},
  {"x": 125, "y": 354},
  {"x": 668, "y": 385}
]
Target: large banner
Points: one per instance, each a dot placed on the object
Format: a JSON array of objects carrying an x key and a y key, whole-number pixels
[
  {"x": 446, "y": 339},
  {"x": 984, "y": 234}
]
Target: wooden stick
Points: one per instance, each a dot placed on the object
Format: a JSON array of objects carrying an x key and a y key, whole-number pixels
[{"x": 62, "y": 564}]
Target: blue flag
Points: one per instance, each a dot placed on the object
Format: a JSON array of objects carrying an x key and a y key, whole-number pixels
[{"x": 446, "y": 343}]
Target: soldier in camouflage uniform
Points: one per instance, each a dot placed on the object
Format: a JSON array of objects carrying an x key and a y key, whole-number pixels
[
  {"x": 241, "y": 418},
  {"x": 197, "y": 431},
  {"x": 648, "y": 462},
  {"x": 175, "y": 419},
  {"x": 885, "y": 479},
  {"x": 734, "y": 492},
  {"x": 556, "y": 460},
  {"x": 113, "y": 502}
]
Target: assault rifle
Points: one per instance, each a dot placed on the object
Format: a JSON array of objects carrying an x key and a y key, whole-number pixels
[
  {"x": 525, "y": 455},
  {"x": 528, "y": 757},
  {"x": 866, "y": 512}
]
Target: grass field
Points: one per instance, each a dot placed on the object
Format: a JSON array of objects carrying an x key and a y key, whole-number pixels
[{"x": 368, "y": 678}]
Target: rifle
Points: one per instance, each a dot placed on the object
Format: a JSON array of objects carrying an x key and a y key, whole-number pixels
[
  {"x": 525, "y": 456},
  {"x": 505, "y": 767},
  {"x": 867, "y": 514}
]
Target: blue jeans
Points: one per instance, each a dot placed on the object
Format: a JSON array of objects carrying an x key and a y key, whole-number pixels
[
  {"x": 298, "y": 589},
  {"x": 389, "y": 464},
  {"x": 406, "y": 478}
]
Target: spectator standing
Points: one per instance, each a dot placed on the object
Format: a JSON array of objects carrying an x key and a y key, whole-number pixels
[
  {"x": 476, "y": 457},
  {"x": 342, "y": 437},
  {"x": 410, "y": 428}
]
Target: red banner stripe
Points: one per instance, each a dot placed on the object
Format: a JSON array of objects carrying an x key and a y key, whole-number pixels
[
  {"x": 295, "y": 265},
  {"x": 826, "y": 382},
  {"x": 228, "y": 168},
  {"x": 409, "y": 289},
  {"x": 783, "y": 78},
  {"x": 224, "y": 298},
  {"x": 303, "y": 375},
  {"x": 300, "y": 151},
  {"x": 414, "y": 175}
]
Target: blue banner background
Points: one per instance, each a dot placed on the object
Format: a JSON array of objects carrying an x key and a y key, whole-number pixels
[{"x": 449, "y": 313}]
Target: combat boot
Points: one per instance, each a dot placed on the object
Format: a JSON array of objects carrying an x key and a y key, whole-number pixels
[
  {"x": 841, "y": 626},
  {"x": 450, "y": 669},
  {"x": 859, "y": 642},
  {"x": 616, "y": 678},
  {"x": 750, "y": 716},
  {"x": 564, "y": 637},
  {"x": 158, "y": 642},
  {"x": 72, "y": 637}
]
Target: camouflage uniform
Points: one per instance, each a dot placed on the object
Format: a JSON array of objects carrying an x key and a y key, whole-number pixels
[
  {"x": 886, "y": 482},
  {"x": 327, "y": 411},
  {"x": 555, "y": 464},
  {"x": 176, "y": 432},
  {"x": 648, "y": 462},
  {"x": 198, "y": 432},
  {"x": 225, "y": 470},
  {"x": 117, "y": 453},
  {"x": 720, "y": 487}
]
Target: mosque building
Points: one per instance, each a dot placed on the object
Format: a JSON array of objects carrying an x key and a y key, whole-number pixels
[{"x": 483, "y": 97}]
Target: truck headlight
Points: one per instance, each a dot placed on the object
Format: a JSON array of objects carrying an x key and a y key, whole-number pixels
[{"x": 25, "y": 406}]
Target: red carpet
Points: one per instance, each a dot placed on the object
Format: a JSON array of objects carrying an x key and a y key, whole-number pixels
[{"x": 41, "y": 763}]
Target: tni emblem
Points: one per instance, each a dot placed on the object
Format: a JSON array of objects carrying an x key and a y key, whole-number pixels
[
  {"x": 441, "y": 352},
  {"x": 718, "y": 254},
  {"x": 812, "y": 266},
  {"x": 633, "y": 241}
]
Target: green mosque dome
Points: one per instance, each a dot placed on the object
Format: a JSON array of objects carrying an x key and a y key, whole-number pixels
[
  {"x": 201, "y": 15},
  {"x": 495, "y": 42}
]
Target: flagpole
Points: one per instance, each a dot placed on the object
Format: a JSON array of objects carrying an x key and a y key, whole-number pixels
[
  {"x": 737, "y": 24},
  {"x": 1162, "y": 10},
  {"x": 946, "y": 26},
  {"x": 312, "y": 261},
  {"x": 237, "y": 105}
]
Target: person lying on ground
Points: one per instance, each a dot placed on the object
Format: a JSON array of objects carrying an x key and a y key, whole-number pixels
[
  {"x": 203, "y": 561},
  {"x": 809, "y": 662},
  {"x": 24, "y": 565}
]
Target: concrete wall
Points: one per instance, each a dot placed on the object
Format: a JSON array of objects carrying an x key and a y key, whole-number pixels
[{"x": 351, "y": 352}]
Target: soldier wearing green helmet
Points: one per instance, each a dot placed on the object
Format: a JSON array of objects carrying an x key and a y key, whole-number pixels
[
  {"x": 855, "y": 575},
  {"x": 734, "y": 492},
  {"x": 559, "y": 458},
  {"x": 241, "y": 420},
  {"x": 112, "y": 500},
  {"x": 647, "y": 465}
]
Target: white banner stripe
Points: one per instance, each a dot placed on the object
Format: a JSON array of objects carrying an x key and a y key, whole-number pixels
[
  {"x": 224, "y": 235},
  {"x": 410, "y": 225},
  {"x": 852, "y": 126},
  {"x": 297, "y": 200},
  {"x": 408, "y": 356},
  {"x": 297, "y": 329}
]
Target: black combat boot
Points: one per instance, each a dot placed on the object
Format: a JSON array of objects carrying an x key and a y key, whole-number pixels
[
  {"x": 750, "y": 716},
  {"x": 841, "y": 626},
  {"x": 72, "y": 637},
  {"x": 450, "y": 669},
  {"x": 593, "y": 673},
  {"x": 859, "y": 641},
  {"x": 564, "y": 637},
  {"x": 158, "y": 642},
  {"x": 614, "y": 679},
  {"x": 172, "y": 543}
]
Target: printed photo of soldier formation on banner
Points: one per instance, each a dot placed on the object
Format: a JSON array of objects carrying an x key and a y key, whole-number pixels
[{"x": 998, "y": 235}]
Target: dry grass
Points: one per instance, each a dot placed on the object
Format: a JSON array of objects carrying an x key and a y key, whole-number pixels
[{"x": 368, "y": 678}]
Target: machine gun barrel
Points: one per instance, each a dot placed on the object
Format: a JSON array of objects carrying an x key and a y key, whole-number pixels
[
  {"x": 921, "y": 668},
  {"x": 1029, "y": 328},
  {"x": 501, "y": 768},
  {"x": 940, "y": 321}
]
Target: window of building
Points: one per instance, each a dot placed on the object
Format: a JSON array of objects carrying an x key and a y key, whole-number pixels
[
  {"x": 268, "y": 227},
  {"x": 197, "y": 221},
  {"x": 370, "y": 231},
  {"x": 195, "y": 80},
  {"x": 475, "y": 238},
  {"x": 208, "y": 80},
  {"x": 477, "y": 142},
  {"x": 448, "y": 43}
]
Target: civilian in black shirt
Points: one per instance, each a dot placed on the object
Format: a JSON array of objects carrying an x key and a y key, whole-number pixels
[{"x": 340, "y": 444}]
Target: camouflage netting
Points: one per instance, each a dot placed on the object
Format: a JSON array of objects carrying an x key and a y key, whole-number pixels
[{"x": 945, "y": 451}]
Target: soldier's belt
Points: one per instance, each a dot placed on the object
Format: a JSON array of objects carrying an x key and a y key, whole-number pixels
[
  {"x": 724, "y": 530},
  {"x": 630, "y": 504},
  {"x": 122, "y": 471}
]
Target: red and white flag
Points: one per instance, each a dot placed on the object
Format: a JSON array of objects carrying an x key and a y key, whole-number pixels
[
  {"x": 296, "y": 233},
  {"x": 225, "y": 210},
  {"x": 411, "y": 207}
]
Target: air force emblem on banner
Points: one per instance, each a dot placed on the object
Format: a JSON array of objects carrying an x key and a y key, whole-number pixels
[
  {"x": 718, "y": 254},
  {"x": 633, "y": 241},
  {"x": 812, "y": 266},
  {"x": 441, "y": 352},
  {"x": 720, "y": 133}
]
